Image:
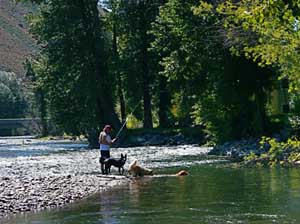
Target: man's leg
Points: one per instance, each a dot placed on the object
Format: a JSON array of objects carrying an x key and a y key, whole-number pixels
[
  {"x": 104, "y": 155},
  {"x": 102, "y": 168}
]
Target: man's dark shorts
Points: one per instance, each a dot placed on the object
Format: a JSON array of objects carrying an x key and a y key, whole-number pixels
[{"x": 105, "y": 154}]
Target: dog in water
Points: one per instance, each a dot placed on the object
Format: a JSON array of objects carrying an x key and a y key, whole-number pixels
[
  {"x": 136, "y": 170},
  {"x": 116, "y": 163},
  {"x": 182, "y": 173}
]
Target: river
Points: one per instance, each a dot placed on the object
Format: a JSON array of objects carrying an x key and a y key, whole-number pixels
[{"x": 210, "y": 194}]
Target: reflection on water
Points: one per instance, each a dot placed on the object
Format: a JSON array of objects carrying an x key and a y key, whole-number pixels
[{"x": 208, "y": 195}]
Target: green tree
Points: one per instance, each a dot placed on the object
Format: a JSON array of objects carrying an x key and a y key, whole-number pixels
[
  {"x": 225, "y": 93},
  {"x": 137, "y": 62},
  {"x": 39, "y": 104},
  {"x": 178, "y": 49},
  {"x": 113, "y": 23},
  {"x": 12, "y": 98},
  {"x": 72, "y": 68},
  {"x": 266, "y": 32}
]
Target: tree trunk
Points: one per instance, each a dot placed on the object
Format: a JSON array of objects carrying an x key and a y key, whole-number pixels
[
  {"x": 147, "y": 123},
  {"x": 121, "y": 99},
  {"x": 43, "y": 112},
  {"x": 105, "y": 107},
  {"x": 103, "y": 91},
  {"x": 147, "y": 110},
  {"x": 164, "y": 103}
]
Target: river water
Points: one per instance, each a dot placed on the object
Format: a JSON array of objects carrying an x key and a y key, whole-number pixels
[{"x": 210, "y": 194}]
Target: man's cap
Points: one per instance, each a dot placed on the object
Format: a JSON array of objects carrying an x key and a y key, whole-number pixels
[{"x": 108, "y": 126}]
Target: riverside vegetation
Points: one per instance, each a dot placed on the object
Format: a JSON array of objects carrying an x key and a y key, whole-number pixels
[
  {"x": 230, "y": 68},
  {"x": 266, "y": 151},
  {"x": 273, "y": 152},
  {"x": 227, "y": 70}
]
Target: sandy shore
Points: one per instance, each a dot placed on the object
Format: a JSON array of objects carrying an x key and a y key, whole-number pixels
[{"x": 35, "y": 183}]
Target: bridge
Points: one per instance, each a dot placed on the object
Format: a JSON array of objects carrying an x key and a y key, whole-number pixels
[{"x": 29, "y": 124}]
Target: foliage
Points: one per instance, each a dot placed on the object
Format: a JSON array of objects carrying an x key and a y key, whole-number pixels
[
  {"x": 12, "y": 99},
  {"x": 224, "y": 93},
  {"x": 267, "y": 32},
  {"x": 191, "y": 62},
  {"x": 251, "y": 156},
  {"x": 274, "y": 152},
  {"x": 180, "y": 40},
  {"x": 132, "y": 22},
  {"x": 71, "y": 69},
  {"x": 294, "y": 117}
]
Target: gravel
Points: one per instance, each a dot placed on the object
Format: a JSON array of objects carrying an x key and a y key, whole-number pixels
[{"x": 36, "y": 183}]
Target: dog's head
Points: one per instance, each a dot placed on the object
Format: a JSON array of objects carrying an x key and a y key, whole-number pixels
[
  {"x": 123, "y": 158},
  {"x": 147, "y": 171},
  {"x": 182, "y": 173}
]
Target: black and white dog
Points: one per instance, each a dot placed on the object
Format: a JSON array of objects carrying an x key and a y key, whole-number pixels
[{"x": 115, "y": 162}]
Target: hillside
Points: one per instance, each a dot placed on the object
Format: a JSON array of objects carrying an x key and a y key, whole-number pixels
[{"x": 15, "y": 42}]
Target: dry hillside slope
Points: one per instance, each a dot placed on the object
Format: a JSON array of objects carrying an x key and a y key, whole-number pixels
[{"x": 15, "y": 42}]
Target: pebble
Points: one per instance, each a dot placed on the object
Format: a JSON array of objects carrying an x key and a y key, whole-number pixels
[
  {"x": 33, "y": 186},
  {"x": 237, "y": 150},
  {"x": 40, "y": 182}
]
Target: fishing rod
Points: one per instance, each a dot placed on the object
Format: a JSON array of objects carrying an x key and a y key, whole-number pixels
[{"x": 119, "y": 132}]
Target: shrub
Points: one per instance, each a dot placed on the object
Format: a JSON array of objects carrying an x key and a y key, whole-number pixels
[{"x": 12, "y": 101}]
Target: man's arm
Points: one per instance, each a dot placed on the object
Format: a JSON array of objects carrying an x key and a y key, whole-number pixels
[
  {"x": 110, "y": 141},
  {"x": 114, "y": 140},
  {"x": 99, "y": 139}
]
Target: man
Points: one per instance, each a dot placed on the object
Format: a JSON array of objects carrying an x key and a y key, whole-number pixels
[{"x": 105, "y": 142}]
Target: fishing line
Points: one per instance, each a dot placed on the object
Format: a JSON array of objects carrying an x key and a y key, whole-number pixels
[{"x": 119, "y": 132}]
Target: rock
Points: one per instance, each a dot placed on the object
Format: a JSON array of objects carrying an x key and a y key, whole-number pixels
[{"x": 236, "y": 150}]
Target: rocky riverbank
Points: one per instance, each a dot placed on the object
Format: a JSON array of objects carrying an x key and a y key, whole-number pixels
[
  {"x": 266, "y": 151},
  {"x": 162, "y": 137},
  {"x": 237, "y": 150},
  {"x": 154, "y": 137},
  {"x": 36, "y": 183},
  {"x": 21, "y": 194},
  {"x": 50, "y": 175}
]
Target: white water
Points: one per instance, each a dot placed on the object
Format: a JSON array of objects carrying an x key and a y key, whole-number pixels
[{"x": 63, "y": 158}]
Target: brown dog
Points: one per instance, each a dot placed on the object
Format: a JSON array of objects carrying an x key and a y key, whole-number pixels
[
  {"x": 137, "y": 170},
  {"x": 182, "y": 173}
]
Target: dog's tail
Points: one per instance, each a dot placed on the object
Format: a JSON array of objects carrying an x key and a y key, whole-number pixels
[
  {"x": 133, "y": 163},
  {"x": 131, "y": 166}
]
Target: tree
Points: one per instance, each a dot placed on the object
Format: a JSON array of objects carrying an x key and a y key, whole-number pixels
[
  {"x": 214, "y": 86},
  {"x": 266, "y": 32},
  {"x": 113, "y": 24},
  {"x": 39, "y": 102},
  {"x": 72, "y": 66},
  {"x": 138, "y": 64},
  {"x": 12, "y": 99}
]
